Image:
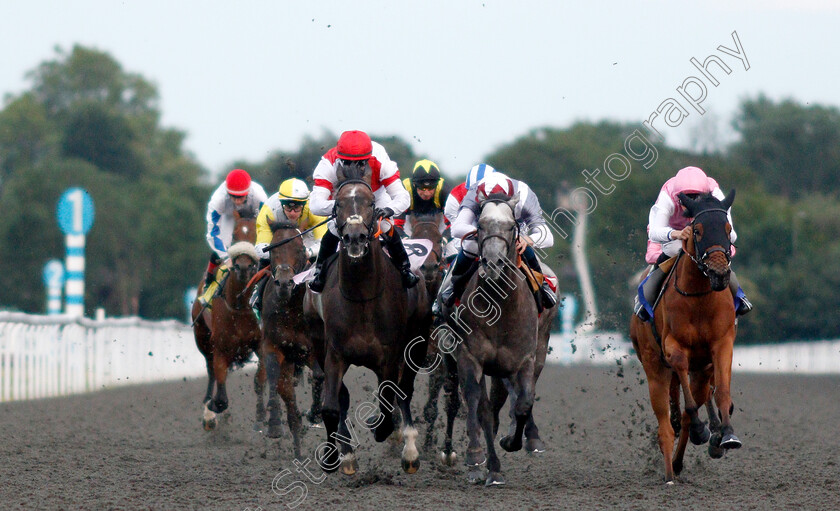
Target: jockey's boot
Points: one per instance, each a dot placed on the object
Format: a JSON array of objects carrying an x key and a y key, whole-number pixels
[
  {"x": 735, "y": 288},
  {"x": 329, "y": 243},
  {"x": 256, "y": 296},
  {"x": 210, "y": 284},
  {"x": 399, "y": 257},
  {"x": 651, "y": 290},
  {"x": 548, "y": 300},
  {"x": 460, "y": 273}
]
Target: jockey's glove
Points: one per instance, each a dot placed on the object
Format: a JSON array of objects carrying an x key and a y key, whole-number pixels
[{"x": 383, "y": 213}]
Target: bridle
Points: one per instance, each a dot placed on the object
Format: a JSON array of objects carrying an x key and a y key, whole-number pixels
[
  {"x": 296, "y": 269},
  {"x": 701, "y": 261},
  {"x": 354, "y": 218},
  {"x": 508, "y": 242}
]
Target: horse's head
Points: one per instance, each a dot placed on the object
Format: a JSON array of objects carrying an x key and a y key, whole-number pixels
[
  {"x": 245, "y": 226},
  {"x": 709, "y": 246},
  {"x": 354, "y": 208},
  {"x": 243, "y": 261},
  {"x": 288, "y": 259},
  {"x": 427, "y": 227},
  {"x": 497, "y": 233}
]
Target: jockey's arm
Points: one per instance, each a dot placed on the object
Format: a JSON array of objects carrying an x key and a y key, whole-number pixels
[
  {"x": 264, "y": 234},
  {"x": 464, "y": 223},
  {"x": 214, "y": 215},
  {"x": 399, "y": 199},
  {"x": 312, "y": 240},
  {"x": 659, "y": 218},
  {"x": 531, "y": 215},
  {"x": 450, "y": 208},
  {"x": 320, "y": 202}
]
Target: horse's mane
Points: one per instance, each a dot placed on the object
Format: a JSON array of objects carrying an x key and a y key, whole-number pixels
[
  {"x": 246, "y": 214},
  {"x": 282, "y": 224},
  {"x": 426, "y": 217},
  {"x": 345, "y": 173}
]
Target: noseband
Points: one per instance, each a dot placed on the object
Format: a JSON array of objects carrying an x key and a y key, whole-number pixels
[{"x": 701, "y": 261}]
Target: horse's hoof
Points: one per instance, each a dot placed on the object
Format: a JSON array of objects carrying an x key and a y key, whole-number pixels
[
  {"x": 716, "y": 452},
  {"x": 275, "y": 430},
  {"x": 475, "y": 457},
  {"x": 316, "y": 425},
  {"x": 259, "y": 427},
  {"x": 410, "y": 467},
  {"x": 475, "y": 476},
  {"x": 510, "y": 443},
  {"x": 669, "y": 483},
  {"x": 699, "y": 437},
  {"x": 383, "y": 431},
  {"x": 535, "y": 446},
  {"x": 730, "y": 441},
  {"x": 494, "y": 479},
  {"x": 448, "y": 459},
  {"x": 209, "y": 425},
  {"x": 349, "y": 466}
]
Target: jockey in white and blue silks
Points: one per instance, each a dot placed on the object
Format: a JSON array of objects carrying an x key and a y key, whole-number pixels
[
  {"x": 238, "y": 193},
  {"x": 668, "y": 227},
  {"x": 534, "y": 232}
]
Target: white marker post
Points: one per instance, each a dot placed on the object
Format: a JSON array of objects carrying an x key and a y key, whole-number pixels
[
  {"x": 53, "y": 280},
  {"x": 75, "y": 217}
]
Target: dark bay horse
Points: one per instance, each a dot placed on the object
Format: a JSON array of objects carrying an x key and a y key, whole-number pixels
[
  {"x": 496, "y": 329},
  {"x": 228, "y": 333},
  {"x": 690, "y": 347},
  {"x": 286, "y": 343},
  {"x": 368, "y": 319},
  {"x": 427, "y": 227}
]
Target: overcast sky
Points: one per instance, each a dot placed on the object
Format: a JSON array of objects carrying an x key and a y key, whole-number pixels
[{"x": 455, "y": 78}]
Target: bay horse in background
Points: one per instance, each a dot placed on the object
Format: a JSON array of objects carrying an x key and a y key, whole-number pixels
[
  {"x": 427, "y": 227},
  {"x": 367, "y": 319},
  {"x": 287, "y": 345},
  {"x": 228, "y": 333},
  {"x": 495, "y": 329},
  {"x": 689, "y": 345}
]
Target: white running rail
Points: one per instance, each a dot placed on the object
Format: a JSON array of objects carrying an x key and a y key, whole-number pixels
[{"x": 46, "y": 356}]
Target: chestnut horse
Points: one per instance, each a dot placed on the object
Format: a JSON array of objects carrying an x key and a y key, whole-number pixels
[
  {"x": 286, "y": 343},
  {"x": 367, "y": 319},
  {"x": 228, "y": 333},
  {"x": 689, "y": 345}
]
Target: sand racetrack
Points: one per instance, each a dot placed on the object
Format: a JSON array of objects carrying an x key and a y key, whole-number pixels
[{"x": 142, "y": 447}]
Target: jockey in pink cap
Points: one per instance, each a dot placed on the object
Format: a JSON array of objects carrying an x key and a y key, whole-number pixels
[{"x": 667, "y": 228}]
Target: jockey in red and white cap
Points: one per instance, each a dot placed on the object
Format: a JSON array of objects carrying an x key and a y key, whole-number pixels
[
  {"x": 390, "y": 197},
  {"x": 668, "y": 227},
  {"x": 528, "y": 215},
  {"x": 238, "y": 193}
]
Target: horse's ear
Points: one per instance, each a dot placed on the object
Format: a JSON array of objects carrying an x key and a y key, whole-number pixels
[
  {"x": 688, "y": 202},
  {"x": 368, "y": 174},
  {"x": 727, "y": 202},
  {"x": 339, "y": 173},
  {"x": 514, "y": 201}
]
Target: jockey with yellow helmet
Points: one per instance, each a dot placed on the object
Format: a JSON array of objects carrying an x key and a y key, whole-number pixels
[
  {"x": 237, "y": 194},
  {"x": 289, "y": 204},
  {"x": 429, "y": 193}
]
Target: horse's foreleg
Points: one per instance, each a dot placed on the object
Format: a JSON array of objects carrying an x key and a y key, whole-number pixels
[
  {"x": 348, "y": 440},
  {"x": 698, "y": 432},
  {"x": 211, "y": 379},
  {"x": 314, "y": 415},
  {"x": 453, "y": 402},
  {"x": 430, "y": 411},
  {"x": 700, "y": 393},
  {"x": 722, "y": 356},
  {"x": 334, "y": 370},
  {"x": 286, "y": 390},
  {"x": 523, "y": 385},
  {"x": 410, "y": 455},
  {"x": 659, "y": 382},
  {"x": 220, "y": 369},
  {"x": 472, "y": 384},
  {"x": 272, "y": 361},
  {"x": 259, "y": 388},
  {"x": 498, "y": 397},
  {"x": 485, "y": 415}
]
